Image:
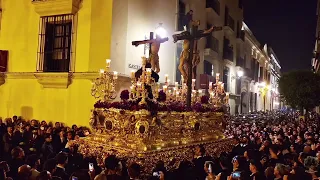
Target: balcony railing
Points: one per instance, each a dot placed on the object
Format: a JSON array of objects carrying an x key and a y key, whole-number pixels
[
  {"x": 212, "y": 43},
  {"x": 214, "y": 4},
  {"x": 240, "y": 62},
  {"x": 241, "y": 34},
  {"x": 228, "y": 53},
  {"x": 229, "y": 21}
]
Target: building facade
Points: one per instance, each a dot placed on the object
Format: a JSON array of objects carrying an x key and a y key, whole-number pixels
[
  {"x": 51, "y": 51},
  {"x": 316, "y": 61}
]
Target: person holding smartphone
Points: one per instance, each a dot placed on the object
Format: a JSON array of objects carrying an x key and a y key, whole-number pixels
[{"x": 208, "y": 169}]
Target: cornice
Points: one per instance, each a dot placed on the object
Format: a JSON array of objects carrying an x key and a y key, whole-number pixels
[{"x": 56, "y": 7}]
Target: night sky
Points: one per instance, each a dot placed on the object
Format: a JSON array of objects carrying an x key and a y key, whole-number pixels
[{"x": 288, "y": 26}]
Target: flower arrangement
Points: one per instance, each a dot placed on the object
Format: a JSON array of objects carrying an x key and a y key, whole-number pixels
[{"x": 158, "y": 106}]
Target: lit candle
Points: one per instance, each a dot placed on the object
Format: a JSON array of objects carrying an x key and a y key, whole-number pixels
[
  {"x": 200, "y": 91},
  {"x": 166, "y": 78},
  {"x": 182, "y": 79},
  {"x": 132, "y": 74},
  {"x": 101, "y": 72},
  {"x": 115, "y": 75},
  {"x": 217, "y": 77},
  {"x": 108, "y": 62},
  {"x": 176, "y": 84},
  {"x": 165, "y": 88},
  {"x": 210, "y": 86},
  {"x": 193, "y": 83}
]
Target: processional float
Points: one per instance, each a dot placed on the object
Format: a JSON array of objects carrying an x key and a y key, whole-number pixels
[{"x": 156, "y": 121}]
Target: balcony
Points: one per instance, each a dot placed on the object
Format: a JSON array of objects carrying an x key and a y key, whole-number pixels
[
  {"x": 229, "y": 24},
  {"x": 240, "y": 36},
  {"x": 240, "y": 62},
  {"x": 56, "y": 7},
  {"x": 213, "y": 11},
  {"x": 212, "y": 48},
  {"x": 228, "y": 54}
]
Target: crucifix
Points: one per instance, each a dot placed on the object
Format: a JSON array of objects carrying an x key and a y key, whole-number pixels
[
  {"x": 189, "y": 54},
  {"x": 154, "y": 47}
]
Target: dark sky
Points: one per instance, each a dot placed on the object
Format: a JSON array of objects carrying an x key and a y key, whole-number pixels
[{"x": 288, "y": 26}]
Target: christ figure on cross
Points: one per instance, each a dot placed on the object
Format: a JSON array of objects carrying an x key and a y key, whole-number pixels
[{"x": 155, "y": 47}]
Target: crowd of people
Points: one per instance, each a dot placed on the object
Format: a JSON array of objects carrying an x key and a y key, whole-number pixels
[{"x": 271, "y": 145}]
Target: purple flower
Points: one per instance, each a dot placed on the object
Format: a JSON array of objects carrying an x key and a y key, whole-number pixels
[
  {"x": 124, "y": 95},
  {"x": 162, "y": 96},
  {"x": 204, "y": 99}
]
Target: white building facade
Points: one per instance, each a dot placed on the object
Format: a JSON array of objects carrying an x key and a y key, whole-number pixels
[{"x": 232, "y": 52}]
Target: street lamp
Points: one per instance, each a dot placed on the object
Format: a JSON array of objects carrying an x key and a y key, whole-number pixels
[{"x": 160, "y": 31}]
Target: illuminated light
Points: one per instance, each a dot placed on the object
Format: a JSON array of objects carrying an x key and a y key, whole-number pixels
[
  {"x": 158, "y": 148},
  {"x": 161, "y": 32},
  {"x": 108, "y": 62},
  {"x": 240, "y": 73}
]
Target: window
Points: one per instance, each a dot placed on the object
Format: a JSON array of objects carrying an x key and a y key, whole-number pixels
[
  {"x": 55, "y": 40},
  {"x": 181, "y": 15},
  {"x": 208, "y": 68}
]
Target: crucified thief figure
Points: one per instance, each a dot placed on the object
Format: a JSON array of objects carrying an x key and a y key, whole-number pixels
[
  {"x": 155, "y": 47},
  {"x": 185, "y": 52}
]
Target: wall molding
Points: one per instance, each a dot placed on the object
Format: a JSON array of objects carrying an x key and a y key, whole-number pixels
[{"x": 56, "y": 7}]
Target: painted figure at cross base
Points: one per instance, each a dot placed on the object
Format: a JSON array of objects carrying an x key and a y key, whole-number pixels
[
  {"x": 183, "y": 65},
  {"x": 155, "y": 47}
]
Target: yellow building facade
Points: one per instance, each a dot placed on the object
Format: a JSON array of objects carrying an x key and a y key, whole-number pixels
[{"x": 32, "y": 89}]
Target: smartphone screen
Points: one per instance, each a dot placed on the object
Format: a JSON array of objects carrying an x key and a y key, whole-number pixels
[
  {"x": 236, "y": 175},
  {"x": 210, "y": 168},
  {"x": 156, "y": 174},
  {"x": 91, "y": 167},
  {"x": 74, "y": 178}
]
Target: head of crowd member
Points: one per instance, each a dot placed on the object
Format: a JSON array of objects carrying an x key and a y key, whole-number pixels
[
  {"x": 311, "y": 163},
  {"x": 254, "y": 166},
  {"x": 44, "y": 175},
  {"x": 57, "y": 125},
  {"x": 17, "y": 153},
  {"x": 274, "y": 151},
  {"x": 199, "y": 151},
  {"x": 134, "y": 170},
  {"x": 10, "y": 130},
  {"x": 112, "y": 163},
  {"x": 70, "y": 136},
  {"x": 33, "y": 161},
  {"x": 62, "y": 159},
  {"x": 48, "y": 138},
  {"x": 280, "y": 170},
  {"x": 208, "y": 165},
  {"x": 43, "y": 123},
  {"x": 15, "y": 118},
  {"x": 24, "y": 172},
  {"x": 50, "y": 165},
  {"x": 238, "y": 163},
  {"x": 80, "y": 175}
]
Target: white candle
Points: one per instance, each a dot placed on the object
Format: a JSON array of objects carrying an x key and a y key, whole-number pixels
[
  {"x": 210, "y": 86},
  {"x": 132, "y": 74},
  {"x": 166, "y": 78},
  {"x": 101, "y": 71},
  {"x": 108, "y": 62},
  {"x": 115, "y": 75},
  {"x": 165, "y": 88}
]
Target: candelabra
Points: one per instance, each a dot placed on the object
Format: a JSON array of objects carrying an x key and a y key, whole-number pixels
[
  {"x": 139, "y": 86},
  {"x": 103, "y": 87}
]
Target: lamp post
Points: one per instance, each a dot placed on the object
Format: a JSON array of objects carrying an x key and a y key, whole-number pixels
[{"x": 237, "y": 77}]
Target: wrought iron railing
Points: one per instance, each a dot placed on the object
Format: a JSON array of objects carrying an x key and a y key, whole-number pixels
[
  {"x": 55, "y": 44},
  {"x": 212, "y": 43},
  {"x": 229, "y": 22}
]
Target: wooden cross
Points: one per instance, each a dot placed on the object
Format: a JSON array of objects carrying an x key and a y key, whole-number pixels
[{"x": 193, "y": 35}]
